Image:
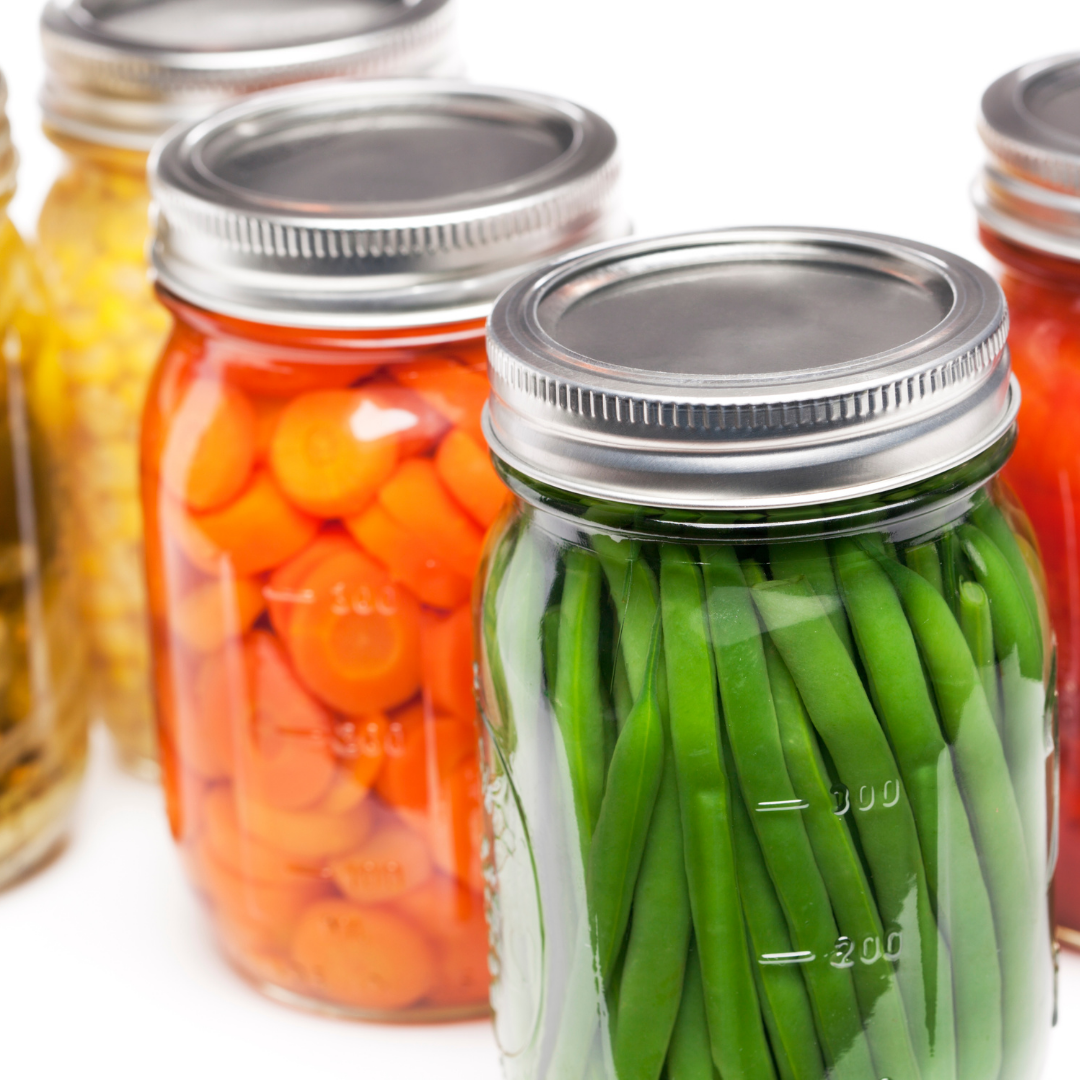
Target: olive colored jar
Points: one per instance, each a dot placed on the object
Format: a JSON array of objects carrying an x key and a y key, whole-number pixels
[
  {"x": 118, "y": 77},
  {"x": 764, "y": 669}
]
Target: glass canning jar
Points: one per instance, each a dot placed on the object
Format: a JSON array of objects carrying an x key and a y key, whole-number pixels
[
  {"x": 1028, "y": 201},
  {"x": 118, "y": 77},
  {"x": 42, "y": 666},
  {"x": 764, "y": 669},
  {"x": 316, "y": 492}
]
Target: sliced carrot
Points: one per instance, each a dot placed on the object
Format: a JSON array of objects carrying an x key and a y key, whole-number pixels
[
  {"x": 333, "y": 448},
  {"x": 416, "y": 743},
  {"x": 465, "y": 468},
  {"x": 268, "y": 412},
  {"x": 284, "y": 591},
  {"x": 464, "y": 968},
  {"x": 210, "y": 447},
  {"x": 389, "y": 864},
  {"x": 360, "y": 744},
  {"x": 365, "y": 957},
  {"x": 419, "y": 426},
  {"x": 409, "y": 558},
  {"x": 443, "y": 908},
  {"x": 216, "y": 611},
  {"x": 357, "y": 643},
  {"x": 447, "y": 648},
  {"x": 454, "y": 825},
  {"x": 255, "y": 532},
  {"x": 202, "y": 725},
  {"x": 258, "y": 372},
  {"x": 286, "y": 757},
  {"x": 415, "y": 498},
  {"x": 307, "y": 834},
  {"x": 457, "y": 391},
  {"x": 243, "y": 854}
]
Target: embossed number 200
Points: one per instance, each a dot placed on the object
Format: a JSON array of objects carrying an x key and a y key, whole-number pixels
[{"x": 847, "y": 952}]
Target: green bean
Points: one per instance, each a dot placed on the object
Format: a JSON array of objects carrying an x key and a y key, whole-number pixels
[
  {"x": 952, "y": 570},
  {"x": 739, "y": 1043},
  {"x": 578, "y": 702},
  {"x": 690, "y": 1055},
  {"x": 984, "y": 781},
  {"x": 654, "y": 963},
  {"x": 991, "y": 521},
  {"x": 549, "y": 636},
  {"x": 625, "y": 812},
  {"x": 754, "y": 740},
  {"x": 622, "y": 697},
  {"x": 810, "y": 559},
  {"x": 891, "y": 660},
  {"x": 1019, "y": 652},
  {"x": 923, "y": 559},
  {"x": 850, "y": 892},
  {"x": 842, "y": 714},
  {"x": 789, "y": 1016},
  {"x": 979, "y": 632}
]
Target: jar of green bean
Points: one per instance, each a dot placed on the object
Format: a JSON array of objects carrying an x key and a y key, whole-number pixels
[{"x": 765, "y": 670}]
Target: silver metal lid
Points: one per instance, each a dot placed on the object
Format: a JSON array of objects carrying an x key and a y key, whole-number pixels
[
  {"x": 748, "y": 369},
  {"x": 377, "y": 204},
  {"x": 9, "y": 158},
  {"x": 1029, "y": 191},
  {"x": 122, "y": 72}
]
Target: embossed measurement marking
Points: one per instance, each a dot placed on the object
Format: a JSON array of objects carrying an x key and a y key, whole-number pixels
[
  {"x": 782, "y": 804},
  {"x": 803, "y": 957}
]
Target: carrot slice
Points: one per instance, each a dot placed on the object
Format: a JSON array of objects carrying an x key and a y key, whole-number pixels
[
  {"x": 217, "y": 611},
  {"x": 465, "y": 468},
  {"x": 415, "y": 498},
  {"x": 255, "y": 532},
  {"x": 413, "y": 741},
  {"x": 454, "y": 825},
  {"x": 357, "y": 643},
  {"x": 443, "y": 908},
  {"x": 267, "y": 414},
  {"x": 409, "y": 558},
  {"x": 458, "y": 392},
  {"x": 418, "y": 424},
  {"x": 333, "y": 448},
  {"x": 284, "y": 591},
  {"x": 392, "y": 862},
  {"x": 243, "y": 854},
  {"x": 210, "y": 447},
  {"x": 286, "y": 757},
  {"x": 307, "y": 834},
  {"x": 365, "y": 957},
  {"x": 464, "y": 965},
  {"x": 447, "y": 648},
  {"x": 278, "y": 377},
  {"x": 201, "y": 727},
  {"x": 360, "y": 743}
]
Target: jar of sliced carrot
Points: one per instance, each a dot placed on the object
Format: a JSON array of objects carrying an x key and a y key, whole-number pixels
[
  {"x": 764, "y": 669},
  {"x": 317, "y": 490},
  {"x": 43, "y": 669},
  {"x": 1028, "y": 202},
  {"x": 119, "y": 75}
]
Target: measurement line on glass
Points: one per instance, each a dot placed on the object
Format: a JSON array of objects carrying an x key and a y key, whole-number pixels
[
  {"x": 782, "y": 804},
  {"x": 777, "y": 958}
]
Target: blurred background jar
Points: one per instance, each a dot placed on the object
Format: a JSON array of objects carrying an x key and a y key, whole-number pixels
[
  {"x": 118, "y": 77},
  {"x": 1028, "y": 202},
  {"x": 317, "y": 490},
  {"x": 43, "y": 713},
  {"x": 764, "y": 674}
]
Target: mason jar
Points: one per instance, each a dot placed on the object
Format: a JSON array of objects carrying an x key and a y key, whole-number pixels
[
  {"x": 119, "y": 76},
  {"x": 1028, "y": 202},
  {"x": 43, "y": 670},
  {"x": 317, "y": 489},
  {"x": 764, "y": 669}
]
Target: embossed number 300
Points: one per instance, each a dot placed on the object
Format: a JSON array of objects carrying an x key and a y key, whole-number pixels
[{"x": 847, "y": 952}]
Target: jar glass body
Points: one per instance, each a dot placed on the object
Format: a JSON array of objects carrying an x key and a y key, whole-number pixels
[
  {"x": 92, "y": 250},
  {"x": 43, "y": 716},
  {"x": 315, "y": 509},
  {"x": 782, "y": 783},
  {"x": 1044, "y": 339}
]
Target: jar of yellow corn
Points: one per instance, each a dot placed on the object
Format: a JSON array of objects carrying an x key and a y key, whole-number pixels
[
  {"x": 42, "y": 664},
  {"x": 118, "y": 77}
]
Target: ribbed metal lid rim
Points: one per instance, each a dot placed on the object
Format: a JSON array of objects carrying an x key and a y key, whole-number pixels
[
  {"x": 567, "y": 420},
  {"x": 114, "y": 94}
]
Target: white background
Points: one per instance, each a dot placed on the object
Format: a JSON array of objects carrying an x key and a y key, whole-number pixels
[{"x": 829, "y": 113}]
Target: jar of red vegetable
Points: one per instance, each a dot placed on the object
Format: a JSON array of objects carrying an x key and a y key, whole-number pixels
[
  {"x": 316, "y": 492},
  {"x": 1028, "y": 200}
]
